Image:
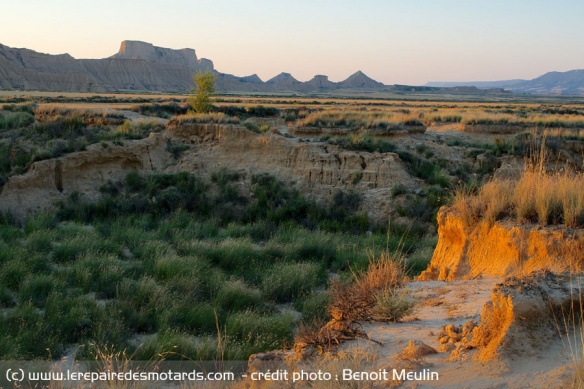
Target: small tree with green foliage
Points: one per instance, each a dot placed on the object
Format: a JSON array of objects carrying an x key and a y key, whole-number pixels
[{"x": 200, "y": 100}]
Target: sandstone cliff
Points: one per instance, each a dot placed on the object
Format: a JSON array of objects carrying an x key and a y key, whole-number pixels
[{"x": 502, "y": 249}]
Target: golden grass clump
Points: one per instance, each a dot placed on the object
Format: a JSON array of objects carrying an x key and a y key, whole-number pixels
[
  {"x": 524, "y": 196},
  {"x": 382, "y": 273},
  {"x": 211, "y": 117},
  {"x": 495, "y": 197},
  {"x": 467, "y": 205},
  {"x": 65, "y": 112},
  {"x": 357, "y": 300},
  {"x": 359, "y": 119},
  {"x": 537, "y": 197}
]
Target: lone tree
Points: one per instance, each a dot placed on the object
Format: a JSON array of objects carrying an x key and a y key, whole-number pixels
[{"x": 200, "y": 100}]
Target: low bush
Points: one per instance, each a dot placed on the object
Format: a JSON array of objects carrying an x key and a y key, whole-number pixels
[
  {"x": 392, "y": 305},
  {"x": 176, "y": 148},
  {"x": 356, "y": 300},
  {"x": 235, "y": 295},
  {"x": 312, "y": 306},
  {"x": 285, "y": 282},
  {"x": 165, "y": 111},
  {"x": 362, "y": 143},
  {"x": 266, "y": 332},
  {"x": 252, "y": 126},
  {"x": 27, "y": 108},
  {"x": 37, "y": 288},
  {"x": 16, "y": 120}
]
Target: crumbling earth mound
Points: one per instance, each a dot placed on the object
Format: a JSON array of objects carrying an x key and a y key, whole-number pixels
[{"x": 526, "y": 313}]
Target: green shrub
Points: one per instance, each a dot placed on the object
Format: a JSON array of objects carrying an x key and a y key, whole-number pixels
[
  {"x": 262, "y": 111},
  {"x": 235, "y": 295},
  {"x": 398, "y": 189},
  {"x": 176, "y": 148},
  {"x": 29, "y": 333},
  {"x": 71, "y": 318},
  {"x": 12, "y": 273},
  {"x": 224, "y": 176},
  {"x": 171, "y": 345},
  {"x": 312, "y": 306},
  {"x": 198, "y": 319},
  {"x": 141, "y": 303},
  {"x": 324, "y": 250},
  {"x": 393, "y": 305},
  {"x": 7, "y": 299},
  {"x": 37, "y": 288},
  {"x": 262, "y": 331},
  {"x": 285, "y": 282},
  {"x": 27, "y": 108},
  {"x": 165, "y": 111},
  {"x": 362, "y": 143},
  {"x": 233, "y": 255},
  {"x": 16, "y": 120},
  {"x": 170, "y": 266},
  {"x": 252, "y": 126}
]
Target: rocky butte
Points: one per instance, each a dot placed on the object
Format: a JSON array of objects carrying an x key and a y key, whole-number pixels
[{"x": 137, "y": 66}]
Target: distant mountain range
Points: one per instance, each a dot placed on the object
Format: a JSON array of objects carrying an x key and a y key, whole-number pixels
[
  {"x": 141, "y": 66},
  {"x": 557, "y": 83}
]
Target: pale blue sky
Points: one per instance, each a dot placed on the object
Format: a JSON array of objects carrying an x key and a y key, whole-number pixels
[{"x": 404, "y": 42}]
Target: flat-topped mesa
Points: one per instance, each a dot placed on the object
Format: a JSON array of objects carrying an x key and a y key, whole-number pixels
[{"x": 149, "y": 52}]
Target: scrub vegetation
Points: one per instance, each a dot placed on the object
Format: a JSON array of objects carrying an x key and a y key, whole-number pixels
[{"x": 159, "y": 264}]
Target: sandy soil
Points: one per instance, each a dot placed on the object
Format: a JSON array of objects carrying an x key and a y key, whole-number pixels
[{"x": 441, "y": 303}]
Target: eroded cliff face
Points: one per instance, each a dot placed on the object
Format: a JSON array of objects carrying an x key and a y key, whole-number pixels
[
  {"x": 54, "y": 179},
  {"x": 502, "y": 249},
  {"x": 316, "y": 169},
  {"x": 137, "y": 66}
]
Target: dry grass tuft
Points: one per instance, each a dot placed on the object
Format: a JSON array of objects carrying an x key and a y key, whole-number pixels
[
  {"x": 385, "y": 272},
  {"x": 495, "y": 198},
  {"x": 467, "y": 205},
  {"x": 372, "y": 295},
  {"x": 212, "y": 117},
  {"x": 55, "y": 110},
  {"x": 537, "y": 197},
  {"x": 355, "y": 301}
]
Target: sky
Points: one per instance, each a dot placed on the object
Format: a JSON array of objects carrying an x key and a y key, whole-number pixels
[{"x": 395, "y": 42}]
